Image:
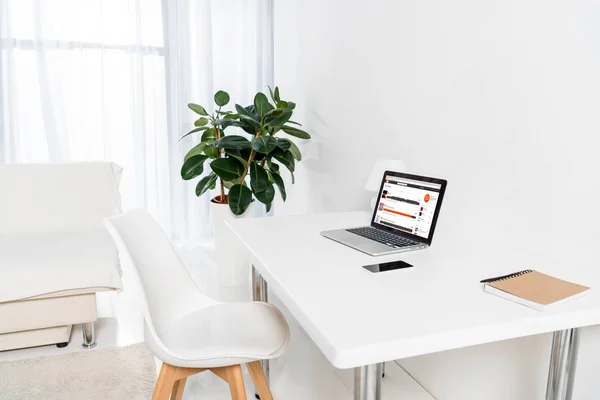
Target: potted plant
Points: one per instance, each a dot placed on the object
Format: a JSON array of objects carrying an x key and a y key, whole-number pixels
[{"x": 248, "y": 166}]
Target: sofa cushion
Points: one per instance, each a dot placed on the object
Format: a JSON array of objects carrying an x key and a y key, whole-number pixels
[{"x": 38, "y": 264}]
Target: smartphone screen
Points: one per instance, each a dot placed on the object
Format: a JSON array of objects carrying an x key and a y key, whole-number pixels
[{"x": 389, "y": 266}]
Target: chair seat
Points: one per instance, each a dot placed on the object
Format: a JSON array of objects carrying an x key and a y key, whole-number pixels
[
  {"x": 39, "y": 264},
  {"x": 226, "y": 334}
]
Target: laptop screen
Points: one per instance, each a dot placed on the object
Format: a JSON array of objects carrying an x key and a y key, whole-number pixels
[{"x": 408, "y": 205}]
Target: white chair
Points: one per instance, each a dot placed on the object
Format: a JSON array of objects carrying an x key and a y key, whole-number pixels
[{"x": 187, "y": 330}]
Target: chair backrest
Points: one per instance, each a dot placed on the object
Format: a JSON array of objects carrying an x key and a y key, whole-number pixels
[
  {"x": 42, "y": 198},
  {"x": 167, "y": 290}
]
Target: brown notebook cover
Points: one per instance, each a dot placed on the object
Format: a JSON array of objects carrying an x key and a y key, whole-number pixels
[{"x": 535, "y": 287}]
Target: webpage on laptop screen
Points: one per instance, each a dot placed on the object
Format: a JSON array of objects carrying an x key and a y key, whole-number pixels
[{"x": 407, "y": 205}]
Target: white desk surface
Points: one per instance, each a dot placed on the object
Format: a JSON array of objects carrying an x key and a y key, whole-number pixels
[{"x": 359, "y": 318}]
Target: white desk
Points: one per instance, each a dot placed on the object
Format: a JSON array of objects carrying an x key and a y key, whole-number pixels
[{"x": 360, "y": 320}]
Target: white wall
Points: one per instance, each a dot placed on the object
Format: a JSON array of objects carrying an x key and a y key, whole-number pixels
[{"x": 501, "y": 97}]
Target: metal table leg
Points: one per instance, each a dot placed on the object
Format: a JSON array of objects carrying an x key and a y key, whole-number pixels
[
  {"x": 563, "y": 362},
  {"x": 260, "y": 292},
  {"x": 89, "y": 335},
  {"x": 367, "y": 382}
]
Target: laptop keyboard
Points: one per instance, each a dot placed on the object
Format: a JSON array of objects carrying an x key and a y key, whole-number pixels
[{"x": 380, "y": 236}]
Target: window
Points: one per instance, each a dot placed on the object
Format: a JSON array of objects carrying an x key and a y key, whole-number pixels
[
  {"x": 81, "y": 79},
  {"x": 85, "y": 80}
]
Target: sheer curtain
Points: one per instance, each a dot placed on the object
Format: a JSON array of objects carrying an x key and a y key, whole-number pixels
[{"x": 109, "y": 80}]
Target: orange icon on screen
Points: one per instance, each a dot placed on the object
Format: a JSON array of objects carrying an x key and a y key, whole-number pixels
[{"x": 427, "y": 197}]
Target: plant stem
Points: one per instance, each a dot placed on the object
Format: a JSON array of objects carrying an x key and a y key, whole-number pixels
[
  {"x": 222, "y": 191},
  {"x": 221, "y": 185},
  {"x": 250, "y": 158}
]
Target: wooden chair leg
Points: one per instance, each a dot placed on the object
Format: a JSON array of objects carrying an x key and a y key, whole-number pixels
[
  {"x": 236, "y": 382},
  {"x": 165, "y": 382},
  {"x": 171, "y": 381},
  {"x": 221, "y": 372},
  {"x": 177, "y": 393},
  {"x": 260, "y": 382}
]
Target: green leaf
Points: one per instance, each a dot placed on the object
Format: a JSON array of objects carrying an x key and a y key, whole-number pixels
[
  {"x": 267, "y": 195},
  {"x": 268, "y": 206},
  {"x": 234, "y": 142},
  {"x": 291, "y": 105},
  {"x": 206, "y": 183},
  {"x": 276, "y": 112},
  {"x": 294, "y": 122},
  {"x": 293, "y": 149},
  {"x": 194, "y": 131},
  {"x": 276, "y": 98},
  {"x": 264, "y": 144},
  {"x": 197, "y": 109},
  {"x": 261, "y": 104},
  {"x": 194, "y": 151},
  {"x": 246, "y": 116},
  {"x": 286, "y": 158},
  {"x": 272, "y": 166},
  {"x": 221, "y": 98},
  {"x": 241, "y": 155},
  {"x": 284, "y": 144},
  {"x": 227, "y": 122},
  {"x": 252, "y": 110},
  {"x": 209, "y": 136},
  {"x": 227, "y": 168},
  {"x": 259, "y": 180},
  {"x": 240, "y": 197},
  {"x": 211, "y": 151},
  {"x": 272, "y": 94},
  {"x": 280, "y": 185},
  {"x": 223, "y": 112},
  {"x": 299, "y": 133},
  {"x": 248, "y": 128},
  {"x": 280, "y": 120},
  {"x": 250, "y": 122},
  {"x": 193, "y": 167},
  {"x": 282, "y": 104},
  {"x": 201, "y": 121},
  {"x": 242, "y": 111},
  {"x": 259, "y": 156},
  {"x": 231, "y": 116}
]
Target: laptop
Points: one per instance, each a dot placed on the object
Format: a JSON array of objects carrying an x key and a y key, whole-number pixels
[{"x": 404, "y": 218}]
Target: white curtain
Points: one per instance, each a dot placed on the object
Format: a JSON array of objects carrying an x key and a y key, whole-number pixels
[{"x": 110, "y": 80}]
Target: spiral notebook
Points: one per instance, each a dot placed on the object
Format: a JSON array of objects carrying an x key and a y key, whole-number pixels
[{"x": 534, "y": 289}]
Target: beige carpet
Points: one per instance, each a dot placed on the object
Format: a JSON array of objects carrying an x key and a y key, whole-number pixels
[{"x": 122, "y": 373}]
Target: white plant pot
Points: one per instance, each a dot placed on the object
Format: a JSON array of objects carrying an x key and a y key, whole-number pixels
[{"x": 232, "y": 265}]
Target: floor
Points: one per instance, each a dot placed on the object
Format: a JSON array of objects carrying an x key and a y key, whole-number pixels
[{"x": 301, "y": 373}]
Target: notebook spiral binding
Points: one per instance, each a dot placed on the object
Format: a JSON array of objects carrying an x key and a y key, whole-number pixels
[{"x": 511, "y": 276}]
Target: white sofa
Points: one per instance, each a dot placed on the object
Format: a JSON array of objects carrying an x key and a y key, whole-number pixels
[{"x": 55, "y": 253}]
